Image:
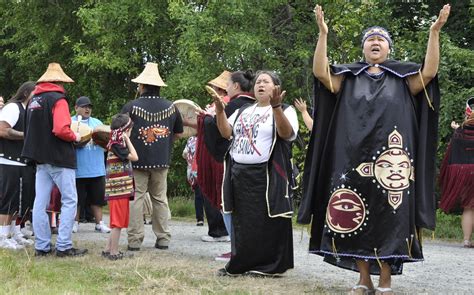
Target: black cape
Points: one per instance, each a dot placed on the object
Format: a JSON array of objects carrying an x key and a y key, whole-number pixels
[{"x": 370, "y": 120}]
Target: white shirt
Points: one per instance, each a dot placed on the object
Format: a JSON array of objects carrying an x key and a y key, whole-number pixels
[
  {"x": 253, "y": 132},
  {"x": 10, "y": 114}
]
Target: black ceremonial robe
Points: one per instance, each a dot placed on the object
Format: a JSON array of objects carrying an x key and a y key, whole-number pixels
[{"x": 369, "y": 178}]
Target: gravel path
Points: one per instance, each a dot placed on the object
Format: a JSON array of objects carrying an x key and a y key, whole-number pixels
[{"x": 448, "y": 268}]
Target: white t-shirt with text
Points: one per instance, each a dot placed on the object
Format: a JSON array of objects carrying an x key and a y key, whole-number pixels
[{"x": 253, "y": 131}]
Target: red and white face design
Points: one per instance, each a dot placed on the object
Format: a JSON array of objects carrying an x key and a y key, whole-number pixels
[
  {"x": 345, "y": 212},
  {"x": 393, "y": 169}
]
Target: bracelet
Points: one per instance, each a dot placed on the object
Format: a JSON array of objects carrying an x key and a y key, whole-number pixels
[{"x": 276, "y": 106}]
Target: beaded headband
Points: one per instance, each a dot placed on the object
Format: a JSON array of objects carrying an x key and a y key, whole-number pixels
[{"x": 378, "y": 31}]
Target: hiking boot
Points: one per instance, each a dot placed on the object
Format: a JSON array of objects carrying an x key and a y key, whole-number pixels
[
  {"x": 101, "y": 227},
  {"x": 42, "y": 253},
  {"x": 224, "y": 257},
  {"x": 215, "y": 239},
  {"x": 71, "y": 252}
]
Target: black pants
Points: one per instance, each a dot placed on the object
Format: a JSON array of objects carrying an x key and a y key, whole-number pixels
[{"x": 214, "y": 220}]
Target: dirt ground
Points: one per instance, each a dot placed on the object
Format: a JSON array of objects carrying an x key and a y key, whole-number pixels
[{"x": 448, "y": 268}]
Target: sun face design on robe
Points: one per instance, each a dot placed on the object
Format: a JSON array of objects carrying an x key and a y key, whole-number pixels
[
  {"x": 346, "y": 212},
  {"x": 392, "y": 169}
]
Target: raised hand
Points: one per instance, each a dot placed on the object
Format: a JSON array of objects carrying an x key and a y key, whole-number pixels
[
  {"x": 454, "y": 125},
  {"x": 277, "y": 96},
  {"x": 219, "y": 103},
  {"x": 442, "y": 18},
  {"x": 300, "y": 104},
  {"x": 319, "y": 14}
]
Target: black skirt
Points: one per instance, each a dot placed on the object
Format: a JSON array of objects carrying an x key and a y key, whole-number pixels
[{"x": 260, "y": 244}]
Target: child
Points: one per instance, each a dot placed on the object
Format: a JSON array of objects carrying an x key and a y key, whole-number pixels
[
  {"x": 119, "y": 186},
  {"x": 189, "y": 154}
]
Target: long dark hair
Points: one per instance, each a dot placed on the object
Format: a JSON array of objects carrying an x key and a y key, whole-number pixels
[
  {"x": 151, "y": 90},
  {"x": 23, "y": 92},
  {"x": 245, "y": 79}
]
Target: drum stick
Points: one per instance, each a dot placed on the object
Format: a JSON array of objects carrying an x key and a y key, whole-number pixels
[{"x": 79, "y": 119}]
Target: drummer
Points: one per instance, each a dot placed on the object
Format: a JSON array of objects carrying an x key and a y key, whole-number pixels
[{"x": 90, "y": 171}]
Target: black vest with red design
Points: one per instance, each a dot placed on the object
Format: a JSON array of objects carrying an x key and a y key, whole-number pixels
[
  {"x": 41, "y": 145},
  {"x": 11, "y": 149},
  {"x": 155, "y": 120}
]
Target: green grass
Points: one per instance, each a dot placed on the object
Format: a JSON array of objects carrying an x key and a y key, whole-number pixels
[
  {"x": 149, "y": 272},
  {"x": 448, "y": 227},
  {"x": 182, "y": 207}
]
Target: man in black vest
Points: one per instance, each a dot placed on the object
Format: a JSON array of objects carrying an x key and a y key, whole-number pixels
[
  {"x": 17, "y": 179},
  {"x": 156, "y": 123},
  {"x": 49, "y": 142}
]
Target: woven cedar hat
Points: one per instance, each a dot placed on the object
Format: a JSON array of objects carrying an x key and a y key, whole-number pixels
[
  {"x": 221, "y": 80},
  {"x": 55, "y": 73},
  {"x": 150, "y": 76}
]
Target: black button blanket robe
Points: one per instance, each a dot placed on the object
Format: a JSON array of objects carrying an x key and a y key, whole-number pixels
[{"x": 369, "y": 178}]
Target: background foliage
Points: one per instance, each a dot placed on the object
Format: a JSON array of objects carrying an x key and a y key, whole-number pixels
[{"x": 104, "y": 44}]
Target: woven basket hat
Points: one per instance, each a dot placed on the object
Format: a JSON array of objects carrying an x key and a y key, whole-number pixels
[
  {"x": 54, "y": 73},
  {"x": 150, "y": 76},
  {"x": 221, "y": 80}
]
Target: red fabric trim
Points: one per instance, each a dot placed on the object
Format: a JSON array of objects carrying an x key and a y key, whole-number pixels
[
  {"x": 457, "y": 184},
  {"x": 279, "y": 170},
  {"x": 210, "y": 172}
]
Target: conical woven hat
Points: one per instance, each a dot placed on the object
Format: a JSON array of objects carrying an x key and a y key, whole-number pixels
[
  {"x": 221, "y": 80},
  {"x": 150, "y": 76},
  {"x": 55, "y": 73}
]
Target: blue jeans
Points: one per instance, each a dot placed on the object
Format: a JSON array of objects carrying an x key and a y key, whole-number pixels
[
  {"x": 228, "y": 222},
  {"x": 65, "y": 178}
]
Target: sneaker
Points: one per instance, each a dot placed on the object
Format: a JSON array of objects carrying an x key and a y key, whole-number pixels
[
  {"x": 10, "y": 244},
  {"x": 75, "y": 227},
  {"x": 200, "y": 223},
  {"x": 101, "y": 227},
  {"x": 27, "y": 230},
  {"x": 222, "y": 272},
  {"x": 71, "y": 252},
  {"x": 215, "y": 239},
  {"x": 224, "y": 257},
  {"x": 22, "y": 240}
]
